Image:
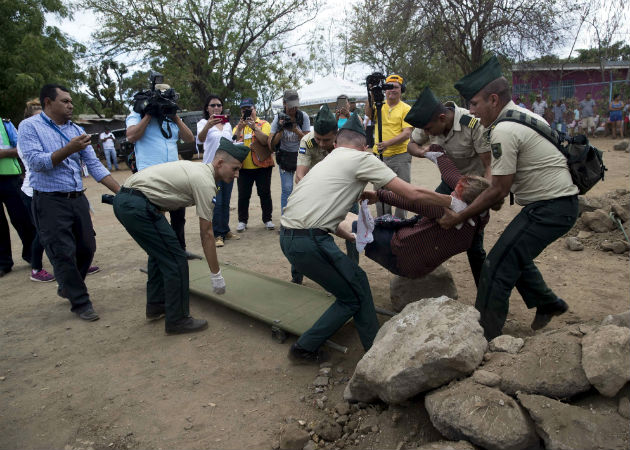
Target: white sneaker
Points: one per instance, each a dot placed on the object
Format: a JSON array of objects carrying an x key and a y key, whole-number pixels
[
  {"x": 242, "y": 226},
  {"x": 270, "y": 225}
]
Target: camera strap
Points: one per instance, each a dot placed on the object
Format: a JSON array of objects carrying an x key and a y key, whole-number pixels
[{"x": 168, "y": 133}]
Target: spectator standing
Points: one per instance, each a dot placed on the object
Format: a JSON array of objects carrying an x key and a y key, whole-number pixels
[
  {"x": 342, "y": 110},
  {"x": 287, "y": 129},
  {"x": 520, "y": 103},
  {"x": 53, "y": 148},
  {"x": 152, "y": 146},
  {"x": 107, "y": 140},
  {"x": 253, "y": 129},
  {"x": 539, "y": 106},
  {"x": 396, "y": 132},
  {"x": 587, "y": 112},
  {"x": 559, "y": 111},
  {"x": 616, "y": 119},
  {"x": 10, "y": 181},
  {"x": 38, "y": 273},
  {"x": 626, "y": 118},
  {"x": 210, "y": 130}
]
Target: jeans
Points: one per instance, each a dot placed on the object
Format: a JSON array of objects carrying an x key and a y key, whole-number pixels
[
  {"x": 221, "y": 216},
  {"x": 111, "y": 158},
  {"x": 401, "y": 165},
  {"x": 246, "y": 180},
  {"x": 286, "y": 181}
]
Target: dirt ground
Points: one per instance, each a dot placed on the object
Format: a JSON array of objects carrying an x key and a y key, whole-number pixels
[{"x": 121, "y": 382}]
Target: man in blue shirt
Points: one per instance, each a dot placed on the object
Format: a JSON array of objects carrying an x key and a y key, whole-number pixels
[
  {"x": 153, "y": 147},
  {"x": 10, "y": 182},
  {"x": 54, "y": 148}
]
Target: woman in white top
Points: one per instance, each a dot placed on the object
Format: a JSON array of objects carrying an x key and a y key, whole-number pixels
[{"x": 210, "y": 130}]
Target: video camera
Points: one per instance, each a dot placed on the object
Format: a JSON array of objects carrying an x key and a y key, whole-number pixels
[
  {"x": 287, "y": 123},
  {"x": 154, "y": 102},
  {"x": 376, "y": 86}
]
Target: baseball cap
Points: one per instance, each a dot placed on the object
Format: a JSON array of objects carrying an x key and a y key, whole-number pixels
[
  {"x": 247, "y": 103},
  {"x": 395, "y": 78},
  {"x": 291, "y": 98}
]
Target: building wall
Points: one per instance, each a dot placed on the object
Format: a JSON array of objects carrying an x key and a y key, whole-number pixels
[{"x": 574, "y": 84}]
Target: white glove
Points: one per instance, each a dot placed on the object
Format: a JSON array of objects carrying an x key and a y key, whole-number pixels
[
  {"x": 458, "y": 205},
  {"x": 218, "y": 283},
  {"x": 433, "y": 156}
]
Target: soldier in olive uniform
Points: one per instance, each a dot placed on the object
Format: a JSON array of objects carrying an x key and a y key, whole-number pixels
[
  {"x": 461, "y": 137},
  {"x": 317, "y": 206},
  {"x": 533, "y": 169}
]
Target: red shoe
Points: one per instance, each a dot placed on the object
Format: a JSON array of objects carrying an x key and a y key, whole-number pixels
[
  {"x": 93, "y": 269},
  {"x": 42, "y": 276}
]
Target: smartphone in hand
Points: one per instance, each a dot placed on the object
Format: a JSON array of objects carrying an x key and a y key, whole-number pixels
[{"x": 224, "y": 118}]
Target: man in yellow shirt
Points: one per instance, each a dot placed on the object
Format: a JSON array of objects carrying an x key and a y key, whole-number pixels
[
  {"x": 251, "y": 128},
  {"x": 396, "y": 132}
]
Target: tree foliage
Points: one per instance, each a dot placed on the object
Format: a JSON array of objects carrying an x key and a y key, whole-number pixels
[
  {"x": 436, "y": 41},
  {"x": 32, "y": 53},
  {"x": 234, "y": 48}
]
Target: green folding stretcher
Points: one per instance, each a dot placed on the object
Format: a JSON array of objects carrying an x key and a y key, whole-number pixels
[{"x": 287, "y": 307}]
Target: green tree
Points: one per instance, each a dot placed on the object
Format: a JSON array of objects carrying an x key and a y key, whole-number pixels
[
  {"x": 230, "y": 47},
  {"x": 107, "y": 88},
  {"x": 32, "y": 53},
  {"x": 437, "y": 41}
]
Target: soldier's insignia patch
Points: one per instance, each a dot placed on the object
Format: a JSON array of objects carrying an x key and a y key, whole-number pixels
[
  {"x": 496, "y": 150},
  {"x": 473, "y": 121},
  {"x": 302, "y": 150},
  {"x": 311, "y": 143}
]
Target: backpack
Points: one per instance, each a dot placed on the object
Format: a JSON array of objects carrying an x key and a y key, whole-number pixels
[{"x": 585, "y": 162}]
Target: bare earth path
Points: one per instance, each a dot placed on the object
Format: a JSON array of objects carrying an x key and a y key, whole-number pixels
[{"x": 122, "y": 383}]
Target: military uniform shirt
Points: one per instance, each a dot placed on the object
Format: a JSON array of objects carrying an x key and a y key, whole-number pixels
[
  {"x": 540, "y": 170},
  {"x": 464, "y": 142},
  {"x": 324, "y": 196},
  {"x": 309, "y": 152},
  {"x": 176, "y": 185}
]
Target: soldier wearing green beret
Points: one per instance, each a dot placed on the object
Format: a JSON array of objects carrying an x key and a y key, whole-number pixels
[
  {"x": 461, "y": 137},
  {"x": 317, "y": 206},
  {"x": 139, "y": 206},
  {"x": 531, "y": 168},
  {"x": 314, "y": 147}
]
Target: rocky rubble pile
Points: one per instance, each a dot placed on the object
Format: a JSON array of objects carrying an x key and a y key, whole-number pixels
[
  {"x": 598, "y": 223},
  {"x": 561, "y": 389}
]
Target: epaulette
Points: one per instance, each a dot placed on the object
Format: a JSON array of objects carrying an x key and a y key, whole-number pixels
[
  {"x": 468, "y": 121},
  {"x": 311, "y": 143}
]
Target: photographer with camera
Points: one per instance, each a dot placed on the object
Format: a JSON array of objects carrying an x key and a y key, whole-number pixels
[
  {"x": 154, "y": 127},
  {"x": 287, "y": 129},
  {"x": 391, "y": 132},
  {"x": 253, "y": 133}
]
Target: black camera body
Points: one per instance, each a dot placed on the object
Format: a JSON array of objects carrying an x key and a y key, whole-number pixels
[
  {"x": 287, "y": 122},
  {"x": 156, "y": 103},
  {"x": 376, "y": 86},
  {"x": 247, "y": 113}
]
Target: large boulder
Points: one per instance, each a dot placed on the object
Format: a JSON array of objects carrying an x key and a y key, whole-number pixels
[
  {"x": 482, "y": 415},
  {"x": 623, "y": 145},
  {"x": 599, "y": 221},
  {"x": 565, "y": 427},
  {"x": 549, "y": 364},
  {"x": 428, "y": 344},
  {"x": 403, "y": 291},
  {"x": 606, "y": 358},
  {"x": 620, "y": 211},
  {"x": 293, "y": 437},
  {"x": 588, "y": 204}
]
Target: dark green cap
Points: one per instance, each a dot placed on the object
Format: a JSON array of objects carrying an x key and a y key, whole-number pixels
[
  {"x": 238, "y": 152},
  {"x": 421, "y": 112},
  {"x": 325, "y": 121},
  {"x": 354, "y": 124},
  {"x": 475, "y": 81}
]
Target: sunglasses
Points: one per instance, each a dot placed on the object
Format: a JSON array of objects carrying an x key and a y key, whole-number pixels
[{"x": 215, "y": 105}]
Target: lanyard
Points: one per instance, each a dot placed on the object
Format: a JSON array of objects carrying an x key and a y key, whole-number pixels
[{"x": 52, "y": 125}]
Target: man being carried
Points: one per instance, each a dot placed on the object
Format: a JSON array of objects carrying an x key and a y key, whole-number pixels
[
  {"x": 416, "y": 247},
  {"x": 534, "y": 170},
  {"x": 461, "y": 137},
  {"x": 315, "y": 209},
  {"x": 140, "y": 207}
]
